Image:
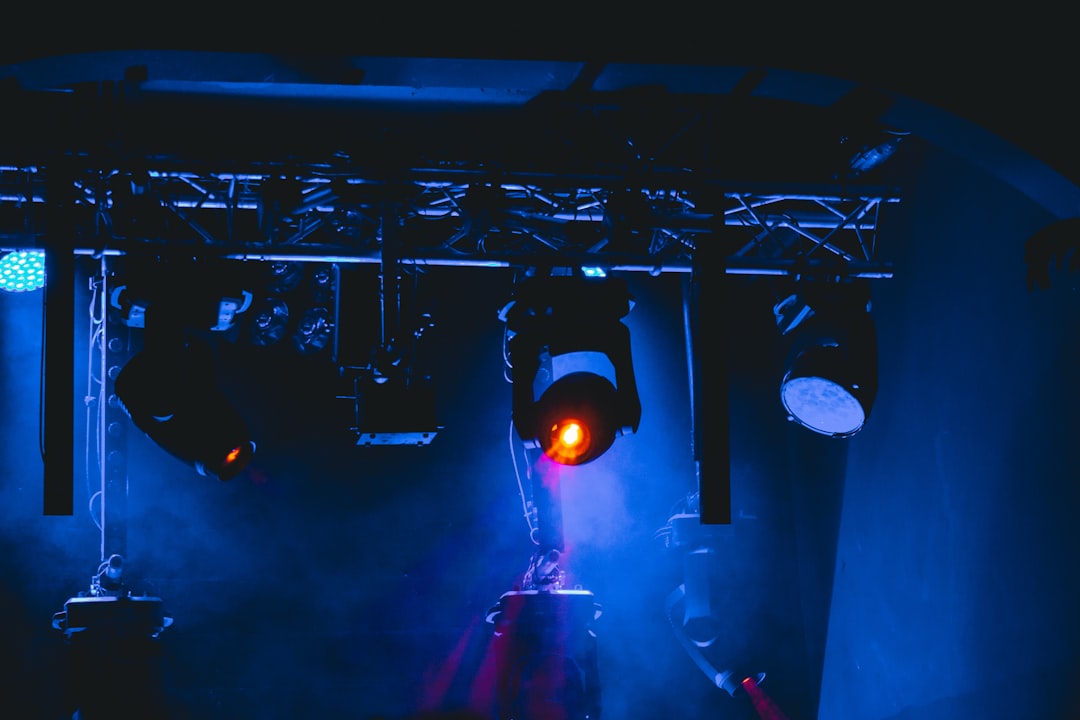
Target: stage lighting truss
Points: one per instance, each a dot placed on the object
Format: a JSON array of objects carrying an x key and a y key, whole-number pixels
[{"x": 455, "y": 214}]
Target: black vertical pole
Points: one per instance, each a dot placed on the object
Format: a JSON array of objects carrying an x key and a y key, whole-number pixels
[
  {"x": 389, "y": 278},
  {"x": 705, "y": 301},
  {"x": 59, "y": 346}
]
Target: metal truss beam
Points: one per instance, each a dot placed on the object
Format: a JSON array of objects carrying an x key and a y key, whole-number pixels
[{"x": 461, "y": 217}]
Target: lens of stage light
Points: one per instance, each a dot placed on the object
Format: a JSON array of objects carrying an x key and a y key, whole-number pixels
[
  {"x": 571, "y": 434},
  {"x": 579, "y": 414},
  {"x": 823, "y": 406},
  {"x": 22, "y": 271},
  {"x": 270, "y": 322},
  {"x": 570, "y": 442},
  {"x": 314, "y": 331},
  {"x": 232, "y": 464},
  {"x": 824, "y": 392}
]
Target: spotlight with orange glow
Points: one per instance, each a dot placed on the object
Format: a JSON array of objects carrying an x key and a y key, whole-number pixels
[
  {"x": 569, "y": 440},
  {"x": 168, "y": 387},
  {"x": 172, "y": 398},
  {"x": 568, "y": 354}
]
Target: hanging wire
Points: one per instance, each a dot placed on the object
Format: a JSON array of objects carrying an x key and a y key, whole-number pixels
[
  {"x": 94, "y": 400},
  {"x": 526, "y": 505},
  {"x": 100, "y": 321},
  {"x": 507, "y": 365}
]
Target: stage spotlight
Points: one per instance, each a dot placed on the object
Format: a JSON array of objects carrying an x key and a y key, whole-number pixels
[
  {"x": 22, "y": 271},
  {"x": 172, "y": 397},
  {"x": 568, "y": 353},
  {"x": 322, "y": 285},
  {"x": 168, "y": 388},
  {"x": 576, "y": 418},
  {"x": 284, "y": 277},
  {"x": 314, "y": 331},
  {"x": 269, "y": 322},
  {"x": 830, "y": 378}
]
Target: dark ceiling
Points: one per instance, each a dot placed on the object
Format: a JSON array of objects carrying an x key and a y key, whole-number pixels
[{"x": 1007, "y": 76}]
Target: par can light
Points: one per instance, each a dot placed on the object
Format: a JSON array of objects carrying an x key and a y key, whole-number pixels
[{"x": 830, "y": 378}]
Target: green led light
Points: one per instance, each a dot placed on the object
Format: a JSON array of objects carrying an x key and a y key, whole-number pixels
[{"x": 22, "y": 271}]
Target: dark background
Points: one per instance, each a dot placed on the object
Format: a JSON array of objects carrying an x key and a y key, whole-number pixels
[{"x": 924, "y": 569}]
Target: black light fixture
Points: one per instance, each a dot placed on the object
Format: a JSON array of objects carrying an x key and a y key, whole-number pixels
[
  {"x": 314, "y": 331},
  {"x": 168, "y": 387},
  {"x": 270, "y": 315},
  {"x": 569, "y": 357},
  {"x": 830, "y": 377},
  {"x": 171, "y": 396},
  {"x": 270, "y": 321},
  {"x": 546, "y": 657},
  {"x": 316, "y": 327},
  {"x": 876, "y": 152},
  {"x": 297, "y": 300}
]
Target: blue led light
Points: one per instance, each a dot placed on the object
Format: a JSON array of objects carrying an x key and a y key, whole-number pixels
[
  {"x": 22, "y": 271},
  {"x": 593, "y": 272}
]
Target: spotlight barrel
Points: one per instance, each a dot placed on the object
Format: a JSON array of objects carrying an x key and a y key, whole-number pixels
[
  {"x": 830, "y": 378},
  {"x": 181, "y": 410},
  {"x": 570, "y": 362}
]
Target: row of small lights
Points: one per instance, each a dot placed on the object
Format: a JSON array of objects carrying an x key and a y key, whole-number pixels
[{"x": 22, "y": 271}]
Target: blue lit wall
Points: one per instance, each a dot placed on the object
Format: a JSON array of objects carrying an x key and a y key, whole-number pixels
[
  {"x": 956, "y": 576},
  {"x": 42, "y": 560}
]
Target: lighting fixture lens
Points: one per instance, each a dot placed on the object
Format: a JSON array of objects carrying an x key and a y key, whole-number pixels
[
  {"x": 571, "y": 434},
  {"x": 270, "y": 322},
  {"x": 322, "y": 285},
  {"x": 577, "y": 412},
  {"x": 284, "y": 276},
  {"x": 232, "y": 464},
  {"x": 314, "y": 331},
  {"x": 22, "y": 271},
  {"x": 569, "y": 443},
  {"x": 823, "y": 405}
]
